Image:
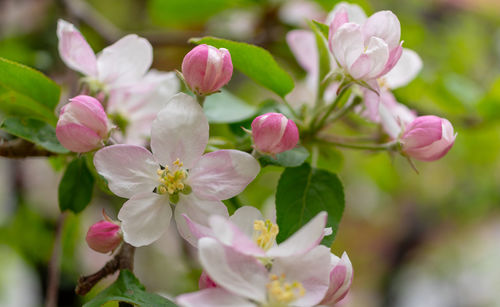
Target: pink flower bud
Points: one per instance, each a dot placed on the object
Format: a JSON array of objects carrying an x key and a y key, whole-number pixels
[
  {"x": 274, "y": 133},
  {"x": 206, "y": 69},
  {"x": 340, "y": 280},
  {"x": 205, "y": 281},
  {"x": 104, "y": 236},
  {"x": 82, "y": 125},
  {"x": 428, "y": 138}
]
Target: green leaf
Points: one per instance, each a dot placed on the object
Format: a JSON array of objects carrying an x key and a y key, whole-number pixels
[
  {"x": 323, "y": 29},
  {"x": 27, "y": 92},
  {"x": 35, "y": 131},
  {"x": 75, "y": 188},
  {"x": 302, "y": 193},
  {"x": 166, "y": 12},
  {"x": 224, "y": 107},
  {"x": 489, "y": 106},
  {"x": 289, "y": 158},
  {"x": 127, "y": 288},
  {"x": 255, "y": 62}
]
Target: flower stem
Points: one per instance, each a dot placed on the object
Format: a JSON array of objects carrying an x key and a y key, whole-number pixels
[
  {"x": 317, "y": 123},
  {"x": 200, "y": 99},
  {"x": 332, "y": 141},
  {"x": 290, "y": 108}
]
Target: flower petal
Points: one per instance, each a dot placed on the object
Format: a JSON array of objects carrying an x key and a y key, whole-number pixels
[
  {"x": 347, "y": 44},
  {"x": 302, "y": 241},
  {"x": 198, "y": 211},
  {"x": 378, "y": 52},
  {"x": 354, "y": 12},
  {"x": 230, "y": 235},
  {"x": 303, "y": 46},
  {"x": 389, "y": 122},
  {"x": 145, "y": 217},
  {"x": 222, "y": 174},
  {"x": 244, "y": 218},
  {"x": 124, "y": 62},
  {"x": 340, "y": 279},
  {"x": 129, "y": 169},
  {"x": 213, "y": 297},
  {"x": 74, "y": 49},
  {"x": 240, "y": 274},
  {"x": 407, "y": 68},
  {"x": 180, "y": 131},
  {"x": 384, "y": 25},
  {"x": 312, "y": 270}
]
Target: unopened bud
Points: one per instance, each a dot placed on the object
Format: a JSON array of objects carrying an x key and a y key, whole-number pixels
[
  {"x": 82, "y": 125},
  {"x": 340, "y": 280},
  {"x": 206, "y": 282},
  {"x": 427, "y": 138},
  {"x": 104, "y": 236},
  {"x": 206, "y": 69},
  {"x": 273, "y": 133}
]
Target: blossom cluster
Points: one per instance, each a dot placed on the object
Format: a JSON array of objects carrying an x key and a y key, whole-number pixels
[{"x": 149, "y": 142}]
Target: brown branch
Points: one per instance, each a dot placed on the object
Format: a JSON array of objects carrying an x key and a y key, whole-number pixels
[
  {"x": 20, "y": 148},
  {"x": 54, "y": 265},
  {"x": 124, "y": 259}
]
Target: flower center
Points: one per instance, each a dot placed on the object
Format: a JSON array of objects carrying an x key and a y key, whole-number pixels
[
  {"x": 172, "y": 181},
  {"x": 264, "y": 233},
  {"x": 281, "y": 293}
]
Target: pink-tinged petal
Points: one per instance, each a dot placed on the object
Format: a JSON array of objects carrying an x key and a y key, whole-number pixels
[
  {"x": 394, "y": 56},
  {"x": 406, "y": 69},
  {"x": 303, "y": 46},
  {"x": 340, "y": 280},
  {"x": 197, "y": 230},
  {"x": 361, "y": 67},
  {"x": 340, "y": 18},
  {"x": 312, "y": 270},
  {"x": 213, "y": 297},
  {"x": 230, "y": 235},
  {"x": 354, "y": 12},
  {"x": 240, "y": 274},
  {"x": 198, "y": 211},
  {"x": 129, "y": 169},
  {"x": 205, "y": 281},
  {"x": 145, "y": 218},
  {"x": 77, "y": 138},
  {"x": 221, "y": 72},
  {"x": 222, "y": 174},
  {"x": 419, "y": 136},
  {"x": 74, "y": 49},
  {"x": 180, "y": 131},
  {"x": 87, "y": 111},
  {"x": 371, "y": 102},
  {"x": 302, "y": 241},
  {"x": 124, "y": 62},
  {"x": 244, "y": 218},
  {"x": 378, "y": 52},
  {"x": 384, "y": 25},
  {"x": 389, "y": 122},
  {"x": 437, "y": 149},
  {"x": 347, "y": 44}
]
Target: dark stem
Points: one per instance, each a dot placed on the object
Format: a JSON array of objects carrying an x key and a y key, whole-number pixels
[
  {"x": 124, "y": 259},
  {"x": 20, "y": 148},
  {"x": 54, "y": 265}
]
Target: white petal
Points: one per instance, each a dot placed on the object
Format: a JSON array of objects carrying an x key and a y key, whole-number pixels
[
  {"x": 129, "y": 169},
  {"x": 390, "y": 124},
  {"x": 244, "y": 218},
  {"x": 407, "y": 68},
  {"x": 180, "y": 131},
  {"x": 303, "y": 46},
  {"x": 312, "y": 270},
  {"x": 384, "y": 25},
  {"x": 222, "y": 174},
  {"x": 198, "y": 211},
  {"x": 124, "y": 62},
  {"x": 145, "y": 217},
  {"x": 347, "y": 44},
  {"x": 212, "y": 297},
  {"x": 302, "y": 241},
  {"x": 74, "y": 49},
  {"x": 354, "y": 11},
  {"x": 240, "y": 274},
  {"x": 378, "y": 52}
]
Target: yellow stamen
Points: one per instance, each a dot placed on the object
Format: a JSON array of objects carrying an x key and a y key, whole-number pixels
[
  {"x": 265, "y": 233},
  {"x": 172, "y": 180},
  {"x": 280, "y": 292}
]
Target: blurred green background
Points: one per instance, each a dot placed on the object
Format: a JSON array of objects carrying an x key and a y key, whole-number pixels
[{"x": 428, "y": 239}]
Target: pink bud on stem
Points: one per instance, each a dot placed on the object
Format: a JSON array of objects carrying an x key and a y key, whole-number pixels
[
  {"x": 273, "y": 133},
  {"x": 82, "y": 124},
  {"x": 340, "y": 280},
  {"x": 206, "y": 69},
  {"x": 427, "y": 138},
  {"x": 104, "y": 236}
]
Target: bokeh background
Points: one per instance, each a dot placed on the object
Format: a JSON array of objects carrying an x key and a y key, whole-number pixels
[{"x": 430, "y": 239}]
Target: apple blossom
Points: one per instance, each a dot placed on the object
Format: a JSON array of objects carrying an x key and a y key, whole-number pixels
[
  {"x": 82, "y": 125},
  {"x": 365, "y": 51},
  {"x": 340, "y": 280},
  {"x": 427, "y": 138},
  {"x": 206, "y": 69},
  {"x": 104, "y": 236},
  {"x": 244, "y": 281},
  {"x": 176, "y": 172},
  {"x": 121, "y": 64},
  {"x": 273, "y": 133},
  {"x": 247, "y": 232}
]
